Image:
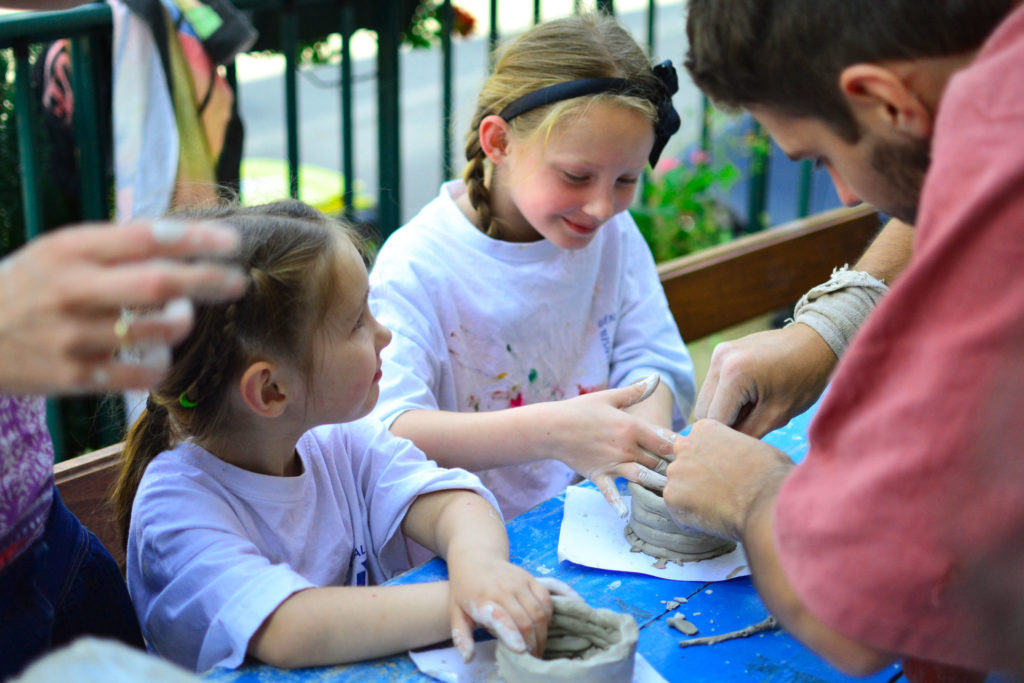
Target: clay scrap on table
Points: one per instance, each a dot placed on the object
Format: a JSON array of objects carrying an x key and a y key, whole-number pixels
[
  {"x": 651, "y": 530},
  {"x": 584, "y": 644},
  {"x": 769, "y": 624},
  {"x": 680, "y": 623}
]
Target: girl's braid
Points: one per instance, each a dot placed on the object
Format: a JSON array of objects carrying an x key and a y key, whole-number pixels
[
  {"x": 473, "y": 175},
  {"x": 218, "y": 355}
]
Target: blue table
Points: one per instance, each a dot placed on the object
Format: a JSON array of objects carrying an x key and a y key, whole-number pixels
[{"x": 722, "y": 606}]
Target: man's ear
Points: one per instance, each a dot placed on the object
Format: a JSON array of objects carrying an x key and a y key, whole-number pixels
[
  {"x": 882, "y": 101},
  {"x": 264, "y": 389},
  {"x": 494, "y": 138}
]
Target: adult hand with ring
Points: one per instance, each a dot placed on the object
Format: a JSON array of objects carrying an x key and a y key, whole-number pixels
[{"x": 62, "y": 297}]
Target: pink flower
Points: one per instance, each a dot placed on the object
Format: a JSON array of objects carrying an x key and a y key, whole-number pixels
[
  {"x": 667, "y": 164},
  {"x": 699, "y": 157}
]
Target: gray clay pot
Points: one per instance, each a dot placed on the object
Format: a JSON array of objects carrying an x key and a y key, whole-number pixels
[
  {"x": 653, "y": 531},
  {"x": 584, "y": 644}
]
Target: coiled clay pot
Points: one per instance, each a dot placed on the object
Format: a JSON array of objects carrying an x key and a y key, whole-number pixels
[
  {"x": 652, "y": 530},
  {"x": 584, "y": 644}
]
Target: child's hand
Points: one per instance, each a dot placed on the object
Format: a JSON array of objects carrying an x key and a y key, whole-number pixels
[
  {"x": 594, "y": 435},
  {"x": 506, "y": 600}
]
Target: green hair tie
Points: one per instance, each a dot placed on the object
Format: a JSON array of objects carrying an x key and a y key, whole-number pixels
[{"x": 185, "y": 403}]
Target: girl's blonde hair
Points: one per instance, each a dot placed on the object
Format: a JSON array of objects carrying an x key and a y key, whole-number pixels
[
  {"x": 568, "y": 49},
  {"x": 289, "y": 251}
]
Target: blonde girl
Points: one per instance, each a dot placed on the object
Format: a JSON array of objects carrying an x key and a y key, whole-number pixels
[
  {"x": 259, "y": 510},
  {"x": 528, "y": 316}
]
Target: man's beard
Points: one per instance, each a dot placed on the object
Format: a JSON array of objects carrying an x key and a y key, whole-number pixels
[{"x": 904, "y": 167}]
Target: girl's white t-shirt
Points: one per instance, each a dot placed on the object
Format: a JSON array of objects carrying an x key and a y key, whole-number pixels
[
  {"x": 214, "y": 549},
  {"x": 480, "y": 324}
]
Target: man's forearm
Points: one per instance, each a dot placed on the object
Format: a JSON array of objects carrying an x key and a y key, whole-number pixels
[
  {"x": 782, "y": 601},
  {"x": 836, "y": 309},
  {"x": 888, "y": 254}
]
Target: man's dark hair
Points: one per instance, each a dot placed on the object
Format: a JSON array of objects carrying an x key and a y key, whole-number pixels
[{"x": 788, "y": 54}]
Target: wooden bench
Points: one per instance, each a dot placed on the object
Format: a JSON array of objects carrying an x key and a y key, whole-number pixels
[
  {"x": 707, "y": 292},
  {"x": 723, "y": 286},
  {"x": 85, "y": 484}
]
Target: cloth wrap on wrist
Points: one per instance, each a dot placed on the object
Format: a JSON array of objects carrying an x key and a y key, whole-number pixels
[{"x": 837, "y": 308}]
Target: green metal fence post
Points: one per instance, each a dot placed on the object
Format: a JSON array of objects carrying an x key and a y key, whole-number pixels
[
  {"x": 28, "y": 151},
  {"x": 388, "y": 120},
  {"x": 536, "y": 12},
  {"x": 231, "y": 76},
  {"x": 650, "y": 28},
  {"x": 705, "y": 123},
  {"x": 289, "y": 45},
  {"x": 348, "y": 27},
  {"x": 758, "y": 190},
  {"x": 31, "y": 194},
  {"x": 93, "y": 189},
  {"x": 492, "y": 36},
  {"x": 91, "y": 173},
  {"x": 447, "y": 23},
  {"x": 606, "y": 7},
  {"x": 803, "y": 206}
]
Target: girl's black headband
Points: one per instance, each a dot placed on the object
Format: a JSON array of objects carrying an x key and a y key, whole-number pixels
[{"x": 665, "y": 126}]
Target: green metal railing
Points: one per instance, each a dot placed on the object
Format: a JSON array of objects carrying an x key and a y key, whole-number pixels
[
  {"x": 84, "y": 24},
  {"x": 88, "y": 26},
  {"x": 83, "y": 27}
]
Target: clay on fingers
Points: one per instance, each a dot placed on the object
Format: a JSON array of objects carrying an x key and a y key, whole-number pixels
[{"x": 584, "y": 644}]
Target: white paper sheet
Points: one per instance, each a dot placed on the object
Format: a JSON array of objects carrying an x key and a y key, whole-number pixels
[
  {"x": 592, "y": 535},
  {"x": 445, "y": 664}
]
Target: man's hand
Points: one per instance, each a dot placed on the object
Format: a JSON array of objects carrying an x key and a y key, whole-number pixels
[
  {"x": 759, "y": 382},
  {"x": 718, "y": 475}
]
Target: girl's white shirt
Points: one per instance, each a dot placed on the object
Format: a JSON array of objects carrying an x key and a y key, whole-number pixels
[
  {"x": 480, "y": 324},
  {"x": 214, "y": 549}
]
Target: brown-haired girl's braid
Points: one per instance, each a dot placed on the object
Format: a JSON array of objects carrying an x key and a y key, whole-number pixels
[
  {"x": 151, "y": 434},
  {"x": 191, "y": 399},
  {"x": 221, "y": 347}
]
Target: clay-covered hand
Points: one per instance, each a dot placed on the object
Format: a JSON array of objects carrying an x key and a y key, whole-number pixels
[
  {"x": 62, "y": 295},
  {"x": 759, "y": 382},
  {"x": 594, "y": 435},
  {"x": 717, "y": 475},
  {"x": 506, "y": 600}
]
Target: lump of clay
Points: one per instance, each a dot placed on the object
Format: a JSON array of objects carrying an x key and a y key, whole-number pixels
[
  {"x": 680, "y": 623},
  {"x": 584, "y": 644},
  {"x": 652, "y": 530}
]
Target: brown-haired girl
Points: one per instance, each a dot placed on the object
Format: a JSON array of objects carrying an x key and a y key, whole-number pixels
[
  {"x": 528, "y": 282},
  {"x": 259, "y": 509}
]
